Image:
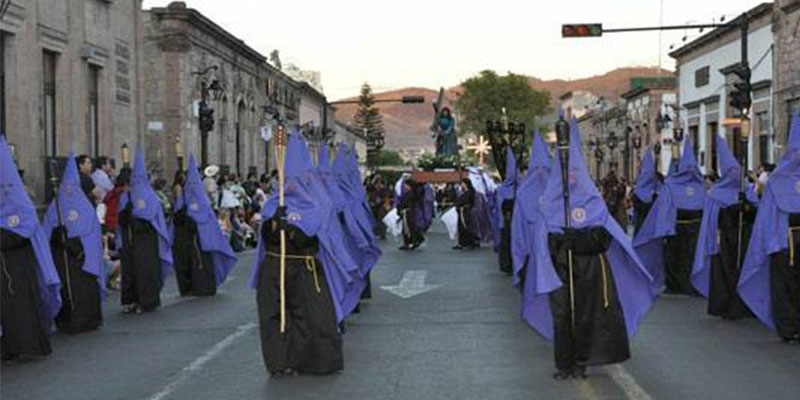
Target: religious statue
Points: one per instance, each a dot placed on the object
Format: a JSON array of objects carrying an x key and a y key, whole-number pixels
[{"x": 445, "y": 134}]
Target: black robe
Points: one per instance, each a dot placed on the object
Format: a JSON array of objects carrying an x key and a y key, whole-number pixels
[
  {"x": 679, "y": 252},
  {"x": 784, "y": 277},
  {"x": 640, "y": 211},
  {"x": 21, "y": 313},
  {"x": 141, "y": 265},
  {"x": 311, "y": 342},
  {"x": 723, "y": 297},
  {"x": 467, "y": 237},
  {"x": 599, "y": 335},
  {"x": 81, "y": 309},
  {"x": 409, "y": 204},
  {"x": 194, "y": 268},
  {"x": 504, "y": 250}
]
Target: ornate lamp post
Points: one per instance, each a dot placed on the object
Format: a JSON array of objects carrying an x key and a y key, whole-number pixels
[
  {"x": 502, "y": 133},
  {"x": 208, "y": 91},
  {"x": 125, "y": 154}
]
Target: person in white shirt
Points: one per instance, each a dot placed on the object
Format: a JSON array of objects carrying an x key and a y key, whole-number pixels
[{"x": 101, "y": 177}]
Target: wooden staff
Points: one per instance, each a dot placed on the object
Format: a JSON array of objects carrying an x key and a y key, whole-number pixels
[
  {"x": 281, "y": 144},
  {"x": 562, "y": 136}
]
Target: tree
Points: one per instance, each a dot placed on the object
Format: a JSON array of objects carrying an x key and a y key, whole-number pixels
[
  {"x": 484, "y": 96},
  {"x": 368, "y": 120}
]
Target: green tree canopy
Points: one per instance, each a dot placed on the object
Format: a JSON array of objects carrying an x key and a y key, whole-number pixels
[
  {"x": 484, "y": 96},
  {"x": 389, "y": 158}
]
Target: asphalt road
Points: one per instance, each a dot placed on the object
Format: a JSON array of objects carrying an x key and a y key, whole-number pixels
[{"x": 460, "y": 340}]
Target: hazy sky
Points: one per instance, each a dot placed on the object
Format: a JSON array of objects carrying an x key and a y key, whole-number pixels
[{"x": 428, "y": 43}]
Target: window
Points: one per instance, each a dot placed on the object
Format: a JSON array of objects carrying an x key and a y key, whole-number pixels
[
  {"x": 49, "y": 107},
  {"x": 701, "y": 76},
  {"x": 94, "y": 119},
  {"x": 2, "y": 83}
]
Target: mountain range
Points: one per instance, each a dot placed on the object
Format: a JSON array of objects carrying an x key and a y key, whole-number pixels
[{"x": 407, "y": 125}]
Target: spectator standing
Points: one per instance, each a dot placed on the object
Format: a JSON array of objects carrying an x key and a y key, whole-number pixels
[
  {"x": 87, "y": 184},
  {"x": 102, "y": 176}
]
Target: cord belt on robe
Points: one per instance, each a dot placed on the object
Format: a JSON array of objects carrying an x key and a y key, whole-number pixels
[
  {"x": 688, "y": 221},
  {"x": 605, "y": 279},
  {"x": 311, "y": 264}
]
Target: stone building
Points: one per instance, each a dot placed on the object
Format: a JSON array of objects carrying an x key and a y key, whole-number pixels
[
  {"x": 69, "y": 80},
  {"x": 786, "y": 82},
  {"x": 602, "y": 129},
  {"x": 185, "y": 50},
  {"x": 705, "y": 69},
  {"x": 650, "y": 113}
]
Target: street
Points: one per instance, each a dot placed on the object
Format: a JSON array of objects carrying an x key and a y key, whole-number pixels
[{"x": 455, "y": 335}]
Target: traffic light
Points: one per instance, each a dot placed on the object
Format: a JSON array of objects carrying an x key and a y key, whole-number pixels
[
  {"x": 581, "y": 30},
  {"x": 741, "y": 98}
]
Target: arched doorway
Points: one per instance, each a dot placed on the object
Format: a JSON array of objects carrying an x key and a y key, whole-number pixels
[{"x": 241, "y": 115}]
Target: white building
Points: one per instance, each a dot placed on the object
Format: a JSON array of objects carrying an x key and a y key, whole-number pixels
[{"x": 705, "y": 69}]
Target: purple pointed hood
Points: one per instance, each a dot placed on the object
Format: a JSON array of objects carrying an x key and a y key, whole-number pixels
[
  {"x": 80, "y": 219},
  {"x": 686, "y": 185},
  {"x": 18, "y": 215},
  {"x": 328, "y": 178},
  {"x": 508, "y": 189},
  {"x": 146, "y": 206},
  {"x": 587, "y": 210},
  {"x": 726, "y": 190},
  {"x": 198, "y": 208},
  {"x": 770, "y": 231},
  {"x": 528, "y": 203},
  {"x": 647, "y": 181}
]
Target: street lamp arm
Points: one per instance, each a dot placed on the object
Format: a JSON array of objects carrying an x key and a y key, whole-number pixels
[{"x": 663, "y": 28}]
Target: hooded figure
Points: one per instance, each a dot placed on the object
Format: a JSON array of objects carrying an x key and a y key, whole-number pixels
[
  {"x": 357, "y": 234},
  {"x": 76, "y": 244},
  {"x": 506, "y": 195},
  {"x": 721, "y": 246},
  {"x": 484, "y": 207},
  {"x": 647, "y": 185},
  {"x": 411, "y": 209},
  {"x": 203, "y": 258},
  {"x": 468, "y": 220},
  {"x": 29, "y": 282},
  {"x": 322, "y": 283},
  {"x": 672, "y": 226},
  {"x": 589, "y": 290},
  {"x": 145, "y": 251},
  {"x": 770, "y": 282},
  {"x": 526, "y": 213}
]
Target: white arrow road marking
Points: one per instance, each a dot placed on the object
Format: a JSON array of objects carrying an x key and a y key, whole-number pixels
[{"x": 412, "y": 284}]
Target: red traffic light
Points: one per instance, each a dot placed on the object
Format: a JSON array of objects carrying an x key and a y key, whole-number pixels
[{"x": 581, "y": 30}]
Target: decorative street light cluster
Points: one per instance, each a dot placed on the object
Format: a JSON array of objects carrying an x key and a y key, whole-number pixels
[
  {"x": 503, "y": 133},
  {"x": 209, "y": 90}
]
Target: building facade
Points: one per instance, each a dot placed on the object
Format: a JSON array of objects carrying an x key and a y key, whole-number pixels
[
  {"x": 786, "y": 87},
  {"x": 650, "y": 112},
  {"x": 69, "y": 80},
  {"x": 705, "y": 69},
  {"x": 184, "y": 50}
]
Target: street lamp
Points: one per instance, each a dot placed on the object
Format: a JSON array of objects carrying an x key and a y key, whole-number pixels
[
  {"x": 125, "y": 154},
  {"x": 208, "y": 91},
  {"x": 503, "y": 133}
]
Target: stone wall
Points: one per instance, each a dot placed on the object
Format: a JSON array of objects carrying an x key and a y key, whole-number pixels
[{"x": 83, "y": 34}]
